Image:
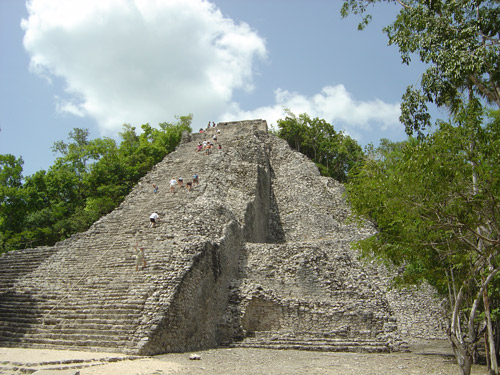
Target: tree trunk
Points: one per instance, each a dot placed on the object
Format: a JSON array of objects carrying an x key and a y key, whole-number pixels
[
  {"x": 487, "y": 350},
  {"x": 490, "y": 348},
  {"x": 464, "y": 345},
  {"x": 466, "y": 366},
  {"x": 463, "y": 355}
]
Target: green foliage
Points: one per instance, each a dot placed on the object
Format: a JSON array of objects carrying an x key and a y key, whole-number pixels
[
  {"x": 436, "y": 203},
  {"x": 89, "y": 179},
  {"x": 428, "y": 197},
  {"x": 12, "y": 202},
  {"x": 333, "y": 152},
  {"x": 460, "y": 42}
]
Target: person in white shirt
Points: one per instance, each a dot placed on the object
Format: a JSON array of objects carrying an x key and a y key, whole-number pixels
[
  {"x": 173, "y": 182},
  {"x": 154, "y": 216}
]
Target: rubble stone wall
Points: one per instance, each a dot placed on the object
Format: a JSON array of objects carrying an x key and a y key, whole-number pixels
[{"x": 191, "y": 320}]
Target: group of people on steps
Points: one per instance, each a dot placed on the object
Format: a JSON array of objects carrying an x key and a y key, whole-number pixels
[
  {"x": 206, "y": 146},
  {"x": 179, "y": 182},
  {"x": 154, "y": 217}
]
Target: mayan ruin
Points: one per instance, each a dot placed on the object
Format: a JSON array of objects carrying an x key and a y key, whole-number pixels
[{"x": 256, "y": 255}]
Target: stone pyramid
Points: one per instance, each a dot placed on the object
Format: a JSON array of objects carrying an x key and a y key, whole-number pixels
[{"x": 257, "y": 254}]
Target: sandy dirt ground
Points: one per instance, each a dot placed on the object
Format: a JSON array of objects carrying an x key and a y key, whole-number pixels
[
  {"x": 235, "y": 361},
  {"x": 285, "y": 362}
]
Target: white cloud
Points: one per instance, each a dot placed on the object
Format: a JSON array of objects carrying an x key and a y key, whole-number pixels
[
  {"x": 63, "y": 106},
  {"x": 136, "y": 61},
  {"x": 334, "y": 104}
]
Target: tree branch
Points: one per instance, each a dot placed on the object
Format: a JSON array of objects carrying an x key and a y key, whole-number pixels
[
  {"x": 490, "y": 94},
  {"x": 404, "y": 5},
  {"x": 475, "y": 305}
]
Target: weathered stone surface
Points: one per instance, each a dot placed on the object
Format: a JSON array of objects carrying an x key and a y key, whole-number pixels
[
  {"x": 56, "y": 372},
  {"x": 257, "y": 254}
]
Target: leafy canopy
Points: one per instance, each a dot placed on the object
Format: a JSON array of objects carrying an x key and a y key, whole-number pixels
[
  {"x": 427, "y": 208},
  {"x": 460, "y": 42},
  {"x": 333, "y": 152}
]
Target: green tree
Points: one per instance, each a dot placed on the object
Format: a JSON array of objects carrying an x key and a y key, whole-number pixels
[
  {"x": 106, "y": 181},
  {"x": 43, "y": 211},
  {"x": 293, "y": 129},
  {"x": 460, "y": 42},
  {"x": 12, "y": 199},
  {"x": 437, "y": 221},
  {"x": 333, "y": 152},
  {"x": 140, "y": 152}
]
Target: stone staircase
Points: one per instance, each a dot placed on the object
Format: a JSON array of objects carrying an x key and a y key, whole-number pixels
[
  {"x": 18, "y": 263},
  {"x": 312, "y": 341},
  {"x": 84, "y": 292},
  {"x": 255, "y": 255},
  {"x": 51, "y": 363}
]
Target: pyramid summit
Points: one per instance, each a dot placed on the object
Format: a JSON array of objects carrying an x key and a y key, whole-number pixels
[{"x": 256, "y": 254}]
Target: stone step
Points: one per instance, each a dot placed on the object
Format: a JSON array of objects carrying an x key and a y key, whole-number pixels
[
  {"x": 329, "y": 347},
  {"x": 104, "y": 292},
  {"x": 77, "y": 335},
  {"x": 81, "y": 302},
  {"x": 320, "y": 341},
  {"x": 95, "y": 321},
  {"x": 67, "y": 333},
  {"x": 94, "y": 297},
  {"x": 51, "y": 322},
  {"x": 315, "y": 341},
  {"x": 76, "y": 311},
  {"x": 59, "y": 366},
  {"x": 125, "y": 347},
  {"x": 56, "y": 325},
  {"x": 16, "y": 268}
]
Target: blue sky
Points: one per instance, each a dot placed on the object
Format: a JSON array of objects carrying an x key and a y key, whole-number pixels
[{"x": 100, "y": 64}]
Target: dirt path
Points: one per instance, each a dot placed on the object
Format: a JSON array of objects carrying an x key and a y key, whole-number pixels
[
  {"x": 423, "y": 360},
  {"x": 285, "y": 362}
]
